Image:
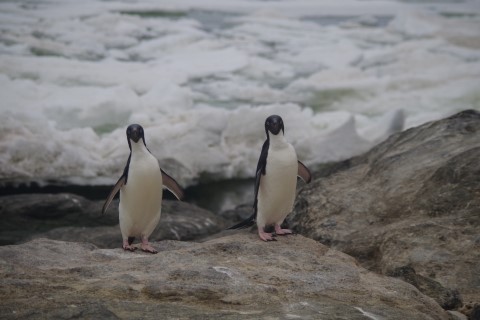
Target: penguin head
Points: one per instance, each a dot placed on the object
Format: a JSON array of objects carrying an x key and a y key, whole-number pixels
[
  {"x": 135, "y": 133},
  {"x": 274, "y": 124}
]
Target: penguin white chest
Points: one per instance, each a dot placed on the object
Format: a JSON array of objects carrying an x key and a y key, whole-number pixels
[
  {"x": 141, "y": 197},
  {"x": 276, "y": 193}
]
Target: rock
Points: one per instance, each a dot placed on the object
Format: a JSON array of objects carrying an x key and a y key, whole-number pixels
[
  {"x": 73, "y": 218},
  {"x": 27, "y": 214},
  {"x": 448, "y": 299},
  {"x": 475, "y": 313},
  {"x": 234, "y": 277},
  {"x": 179, "y": 221},
  {"x": 455, "y": 315},
  {"x": 471, "y": 310},
  {"x": 238, "y": 214},
  {"x": 413, "y": 200},
  {"x": 102, "y": 237}
]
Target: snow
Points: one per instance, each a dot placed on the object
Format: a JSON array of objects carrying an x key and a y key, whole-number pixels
[{"x": 202, "y": 76}]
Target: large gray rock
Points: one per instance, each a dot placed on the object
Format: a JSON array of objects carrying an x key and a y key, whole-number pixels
[
  {"x": 413, "y": 201},
  {"x": 179, "y": 221},
  {"x": 27, "y": 214},
  {"x": 70, "y": 217},
  {"x": 234, "y": 277}
]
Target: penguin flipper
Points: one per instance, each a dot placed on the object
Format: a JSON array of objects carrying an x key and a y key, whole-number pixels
[
  {"x": 120, "y": 183},
  {"x": 304, "y": 173},
  {"x": 171, "y": 185}
]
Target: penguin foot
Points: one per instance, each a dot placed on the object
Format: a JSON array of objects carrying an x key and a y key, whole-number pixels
[
  {"x": 282, "y": 232},
  {"x": 129, "y": 247},
  {"x": 146, "y": 247},
  {"x": 265, "y": 236}
]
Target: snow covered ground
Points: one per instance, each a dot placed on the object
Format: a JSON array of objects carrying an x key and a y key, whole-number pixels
[{"x": 202, "y": 76}]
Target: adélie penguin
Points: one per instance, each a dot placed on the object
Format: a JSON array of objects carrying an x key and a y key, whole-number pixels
[
  {"x": 140, "y": 186},
  {"x": 275, "y": 182}
]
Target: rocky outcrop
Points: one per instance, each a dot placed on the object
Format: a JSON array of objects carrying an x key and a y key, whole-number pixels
[
  {"x": 233, "y": 277},
  {"x": 27, "y": 214},
  {"x": 411, "y": 202},
  {"x": 447, "y": 298},
  {"x": 70, "y": 217},
  {"x": 409, "y": 210}
]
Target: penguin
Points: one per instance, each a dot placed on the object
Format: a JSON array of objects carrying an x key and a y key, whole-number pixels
[
  {"x": 275, "y": 181},
  {"x": 140, "y": 186}
]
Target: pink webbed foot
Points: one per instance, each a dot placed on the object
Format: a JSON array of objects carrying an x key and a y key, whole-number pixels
[
  {"x": 128, "y": 247},
  {"x": 282, "y": 232},
  {"x": 146, "y": 247},
  {"x": 265, "y": 236}
]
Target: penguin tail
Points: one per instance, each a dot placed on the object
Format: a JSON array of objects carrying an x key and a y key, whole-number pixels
[{"x": 250, "y": 221}]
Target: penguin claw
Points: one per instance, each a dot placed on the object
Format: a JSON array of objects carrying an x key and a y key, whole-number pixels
[
  {"x": 150, "y": 251},
  {"x": 265, "y": 236},
  {"x": 148, "y": 248},
  {"x": 129, "y": 248},
  {"x": 282, "y": 232},
  {"x": 288, "y": 234}
]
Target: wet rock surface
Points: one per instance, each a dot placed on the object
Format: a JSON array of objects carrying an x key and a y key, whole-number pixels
[
  {"x": 412, "y": 201},
  {"x": 233, "y": 277},
  {"x": 71, "y": 217}
]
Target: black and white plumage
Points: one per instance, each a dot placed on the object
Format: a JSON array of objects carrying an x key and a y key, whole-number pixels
[
  {"x": 141, "y": 186},
  {"x": 275, "y": 181}
]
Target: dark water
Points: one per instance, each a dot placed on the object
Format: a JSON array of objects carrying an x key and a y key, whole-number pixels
[
  {"x": 214, "y": 196},
  {"x": 219, "y": 20}
]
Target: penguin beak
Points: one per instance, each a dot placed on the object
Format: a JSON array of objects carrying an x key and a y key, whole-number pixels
[
  {"x": 135, "y": 135},
  {"x": 275, "y": 127}
]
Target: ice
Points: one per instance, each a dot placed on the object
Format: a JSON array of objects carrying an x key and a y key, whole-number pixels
[
  {"x": 202, "y": 76},
  {"x": 416, "y": 24}
]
